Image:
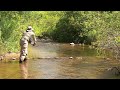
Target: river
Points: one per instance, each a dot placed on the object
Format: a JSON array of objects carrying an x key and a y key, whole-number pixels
[{"x": 52, "y": 60}]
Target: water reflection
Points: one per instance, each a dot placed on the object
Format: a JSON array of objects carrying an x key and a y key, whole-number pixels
[{"x": 24, "y": 69}]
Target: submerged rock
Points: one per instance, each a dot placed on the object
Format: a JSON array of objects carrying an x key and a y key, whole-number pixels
[{"x": 114, "y": 70}]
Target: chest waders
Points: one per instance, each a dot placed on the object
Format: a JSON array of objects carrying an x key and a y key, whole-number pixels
[{"x": 24, "y": 49}]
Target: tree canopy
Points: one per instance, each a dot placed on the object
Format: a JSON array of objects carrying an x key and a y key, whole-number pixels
[{"x": 88, "y": 27}]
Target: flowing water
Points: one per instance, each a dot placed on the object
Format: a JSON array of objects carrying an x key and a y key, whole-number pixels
[{"x": 60, "y": 61}]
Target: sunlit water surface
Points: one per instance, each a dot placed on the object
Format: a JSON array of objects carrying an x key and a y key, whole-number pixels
[{"x": 60, "y": 61}]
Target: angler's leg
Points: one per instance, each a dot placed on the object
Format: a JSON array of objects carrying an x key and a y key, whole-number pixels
[
  {"x": 23, "y": 55},
  {"x": 26, "y": 56},
  {"x": 23, "y": 52}
]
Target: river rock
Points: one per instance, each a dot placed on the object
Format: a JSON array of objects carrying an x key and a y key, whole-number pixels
[
  {"x": 70, "y": 57},
  {"x": 114, "y": 70},
  {"x": 72, "y": 43}
]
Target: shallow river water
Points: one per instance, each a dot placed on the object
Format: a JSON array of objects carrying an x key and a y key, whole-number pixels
[{"x": 60, "y": 61}]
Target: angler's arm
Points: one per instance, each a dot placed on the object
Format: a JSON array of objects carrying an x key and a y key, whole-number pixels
[{"x": 34, "y": 39}]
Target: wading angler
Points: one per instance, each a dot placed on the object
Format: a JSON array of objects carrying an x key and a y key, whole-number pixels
[{"x": 27, "y": 37}]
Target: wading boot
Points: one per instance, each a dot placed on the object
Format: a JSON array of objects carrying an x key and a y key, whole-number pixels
[
  {"x": 22, "y": 59},
  {"x": 25, "y": 59}
]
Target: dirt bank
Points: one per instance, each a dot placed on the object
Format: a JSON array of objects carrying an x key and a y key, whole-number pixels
[{"x": 10, "y": 56}]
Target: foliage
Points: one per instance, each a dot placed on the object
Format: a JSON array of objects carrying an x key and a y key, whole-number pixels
[
  {"x": 69, "y": 27},
  {"x": 90, "y": 27},
  {"x": 14, "y": 23}
]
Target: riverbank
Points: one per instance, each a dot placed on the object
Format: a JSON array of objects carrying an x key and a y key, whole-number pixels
[{"x": 10, "y": 56}]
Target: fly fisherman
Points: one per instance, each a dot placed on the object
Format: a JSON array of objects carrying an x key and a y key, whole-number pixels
[{"x": 27, "y": 36}]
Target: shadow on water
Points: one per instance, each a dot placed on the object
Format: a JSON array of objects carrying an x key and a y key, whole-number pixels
[{"x": 52, "y": 61}]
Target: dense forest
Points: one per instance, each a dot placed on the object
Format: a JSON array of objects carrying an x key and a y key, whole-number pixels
[{"x": 98, "y": 28}]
